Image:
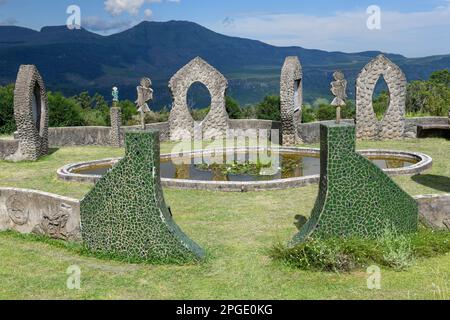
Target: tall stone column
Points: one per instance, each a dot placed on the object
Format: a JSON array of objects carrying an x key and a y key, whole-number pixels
[{"x": 116, "y": 122}]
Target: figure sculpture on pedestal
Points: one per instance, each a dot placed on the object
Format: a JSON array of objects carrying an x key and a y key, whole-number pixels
[
  {"x": 145, "y": 94},
  {"x": 339, "y": 88}
]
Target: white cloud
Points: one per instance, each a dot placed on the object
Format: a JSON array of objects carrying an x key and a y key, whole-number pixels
[
  {"x": 97, "y": 24},
  {"x": 8, "y": 22},
  {"x": 412, "y": 34},
  {"x": 148, "y": 13},
  {"x": 133, "y": 7},
  {"x": 116, "y": 7}
]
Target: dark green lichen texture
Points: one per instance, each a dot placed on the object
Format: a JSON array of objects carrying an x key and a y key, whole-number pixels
[
  {"x": 356, "y": 198},
  {"x": 125, "y": 215}
]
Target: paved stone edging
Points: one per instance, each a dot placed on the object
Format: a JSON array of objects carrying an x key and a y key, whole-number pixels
[{"x": 425, "y": 162}]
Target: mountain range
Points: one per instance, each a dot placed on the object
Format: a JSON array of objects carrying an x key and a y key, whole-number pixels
[{"x": 72, "y": 61}]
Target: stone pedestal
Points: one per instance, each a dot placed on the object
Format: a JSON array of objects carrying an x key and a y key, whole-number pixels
[
  {"x": 116, "y": 122},
  {"x": 356, "y": 198}
]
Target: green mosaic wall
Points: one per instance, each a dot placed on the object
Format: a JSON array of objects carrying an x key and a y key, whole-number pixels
[
  {"x": 356, "y": 198},
  {"x": 125, "y": 214}
]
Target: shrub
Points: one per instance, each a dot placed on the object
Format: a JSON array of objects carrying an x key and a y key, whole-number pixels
[
  {"x": 269, "y": 109},
  {"x": 233, "y": 109},
  {"x": 64, "y": 112},
  {"x": 397, "y": 250},
  {"x": 393, "y": 251},
  {"x": 7, "y": 122}
]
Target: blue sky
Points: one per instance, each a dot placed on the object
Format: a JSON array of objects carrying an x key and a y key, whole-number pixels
[{"x": 410, "y": 27}]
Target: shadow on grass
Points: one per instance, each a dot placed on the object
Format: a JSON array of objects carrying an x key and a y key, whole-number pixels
[{"x": 440, "y": 183}]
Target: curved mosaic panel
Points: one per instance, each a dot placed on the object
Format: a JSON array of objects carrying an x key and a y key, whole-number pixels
[
  {"x": 355, "y": 197},
  {"x": 125, "y": 214}
]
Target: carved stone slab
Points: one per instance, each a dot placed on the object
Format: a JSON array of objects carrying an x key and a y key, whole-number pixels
[{"x": 28, "y": 211}]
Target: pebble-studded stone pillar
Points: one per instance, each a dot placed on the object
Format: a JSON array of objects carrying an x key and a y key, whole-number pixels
[
  {"x": 116, "y": 122},
  {"x": 291, "y": 100},
  {"x": 31, "y": 114}
]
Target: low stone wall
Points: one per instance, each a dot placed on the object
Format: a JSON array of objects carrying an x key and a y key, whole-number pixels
[
  {"x": 29, "y": 211},
  {"x": 241, "y": 126},
  {"x": 162, "y": 127},
  {"x": 8, "y": 148},
  {"x": 100, "y": 136},
  {"x": 310, "y": 132},
  {"x": 79, "y": 136},
  {"x": 412, "y": 123},
  {"x": 435, "y": 211}
]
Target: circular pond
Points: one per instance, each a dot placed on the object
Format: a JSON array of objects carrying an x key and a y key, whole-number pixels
[{"x": 248, "y": 169}]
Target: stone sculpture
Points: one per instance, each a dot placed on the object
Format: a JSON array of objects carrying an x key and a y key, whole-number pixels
[
  {"x": 339, "y": 90},
  {"x": 125, "y": 214},
  {"x": 181, "y": 122},
  {"x": 145, "y": 94},
  {"x": 116, "y": 123},
  {"x": 291, "y": 99},
  {"x": 31, "y": 114},
  {"x": 356, "y": 198},
  {"x": 115, "y": 94},
  {"x": 393, "y": 124}
]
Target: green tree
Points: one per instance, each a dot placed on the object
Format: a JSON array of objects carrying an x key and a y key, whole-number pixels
[
  {"x": 84, "y": 100},
  {"x": 64, "y": 112},
  {"x": 269, "y": 109},
  {"x": 128, "y": 111},
  {"x": 328, "y": 112},
  {"x": 233, "y": 108},
  {"x": 442, "y": 77},
  {"x": 7, "y": 122},
  {"x": 308, "y": 114},
  {"x": 381, "y": 104},
  {"x": 430, "y": 97}
]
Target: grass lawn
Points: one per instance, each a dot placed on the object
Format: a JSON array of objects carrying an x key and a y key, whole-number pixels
[{"x": 236, "y": 229}]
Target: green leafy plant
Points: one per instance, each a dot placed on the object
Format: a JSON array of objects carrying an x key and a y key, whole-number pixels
[{"x": 392, "y": 251}]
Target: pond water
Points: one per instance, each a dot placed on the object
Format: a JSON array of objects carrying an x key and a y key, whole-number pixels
[{"x": 246, "y": 167}]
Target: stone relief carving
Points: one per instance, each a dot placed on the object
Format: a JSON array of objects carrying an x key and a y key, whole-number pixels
[
  {"x": 392, "y": 126},
  {"x": 17, "y": 210},
  {"x": 53, "y": 223},
  {"x": 291, "y": 99},
  {"x": 181, "y": 122}
]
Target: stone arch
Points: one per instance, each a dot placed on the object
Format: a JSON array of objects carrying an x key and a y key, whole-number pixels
[
  {"x": 31, "y": 113},
  {"x": 392, "y": 126},
  {"x": 180, "y": 121},
  {"x": 291, "y": 99}
]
